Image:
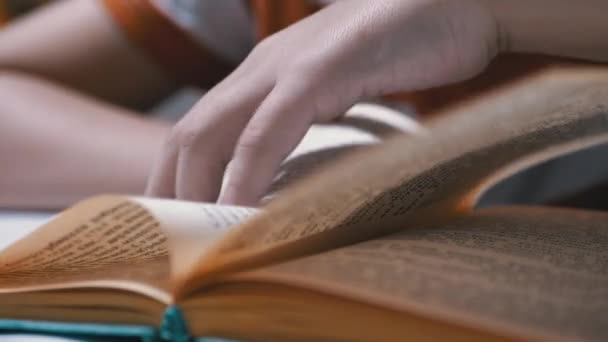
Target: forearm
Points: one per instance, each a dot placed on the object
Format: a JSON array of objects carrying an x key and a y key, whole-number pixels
[
  {"x": 555, "y": 27},
  {"x": 57, "y": 146}
]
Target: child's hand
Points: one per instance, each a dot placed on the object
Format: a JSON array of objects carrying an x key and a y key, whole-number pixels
[{"x": 314, "y": 71}]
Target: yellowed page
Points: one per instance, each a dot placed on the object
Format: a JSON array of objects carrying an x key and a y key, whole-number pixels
[
  {"x": 116, "y": 242},
  {"x": 425, "y": 177},
  {"x": 106, "y": 241},
  {"x": 521, "y": 272},
  {"x": 192, "y": 227}
]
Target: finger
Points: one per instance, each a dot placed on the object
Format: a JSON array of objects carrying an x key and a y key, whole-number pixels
[
  {"x": 161, "y": 182},
  {"x": 272, "y": 133},
  {"x": 162, "y": 179},
  {"x": 207, "y": 139},
  {"x": 200, "y": 169}
]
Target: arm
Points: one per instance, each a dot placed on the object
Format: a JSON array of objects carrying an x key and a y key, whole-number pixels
[
  {"x": 58, "y": 145},
  {"x": 76, "y": 43},
  {"x": 317, "y": 68},
  {"x": 64, "y": 146}
]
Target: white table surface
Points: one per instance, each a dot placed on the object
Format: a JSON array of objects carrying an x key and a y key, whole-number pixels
[{"x": 16, "y": 224}]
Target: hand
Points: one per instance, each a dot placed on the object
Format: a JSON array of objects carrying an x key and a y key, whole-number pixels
[{"x": 311, "y": 72}]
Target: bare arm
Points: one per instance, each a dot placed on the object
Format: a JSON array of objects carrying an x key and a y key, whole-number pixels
[
  {"x": 317, "y": 68},
  {"x": 58, "y": 146},
  {"x": 76, "y": 43}
]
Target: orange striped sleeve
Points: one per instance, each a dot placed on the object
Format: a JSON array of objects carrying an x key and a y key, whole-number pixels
[{"x": 166, "y": 43}]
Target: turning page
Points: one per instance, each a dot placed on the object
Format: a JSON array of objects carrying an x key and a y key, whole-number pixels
[{"x": 421, "y": 178}]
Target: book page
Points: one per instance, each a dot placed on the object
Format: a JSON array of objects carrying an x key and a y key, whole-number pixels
[
  {"x": 523, "y": 272},
  {"x": 136, "y": 244},
  {"x": 192, "y": 227},
  {"x": 99, "y": 241},
  {"x": 423, "y": 177}
]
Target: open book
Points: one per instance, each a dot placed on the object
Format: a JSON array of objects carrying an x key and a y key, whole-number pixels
[{"x": 383, "y": 244}]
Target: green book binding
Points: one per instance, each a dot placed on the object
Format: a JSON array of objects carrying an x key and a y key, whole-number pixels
[
  {"x": 173, "y": 328},
  {"x": 84, "y": 331}
]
